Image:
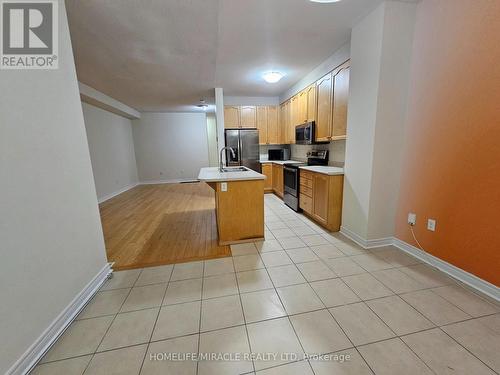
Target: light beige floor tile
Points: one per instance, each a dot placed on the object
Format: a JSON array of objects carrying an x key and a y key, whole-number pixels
[
  {"x": 273, "y": 336},
  {"x": 344, "y": 266},
  {"x": 177, "y": 320},
  {"x": 314, "y": 240},
  {"x": 399, "y": 315},
  {"x": 327, "y": 251},
  {"x": 244, "y": 248},
  {"x": 302, "y": 255},
  {"x": 222, "y": 312},
  {"x": 492, "y": 322},
  {"x": 276, "y": 258},
  {"x": 82, "y": 337},
  {"x": 443, "y": 355},
  {"x": 299, "y": 298},
  {"x": 218, "y": 286},
  {"x": 291, "y": 243},
  {"x": 366, "y": 286},
  {"x": 126, "y": 361},
  {"x": 392, "y": 357},
  {"x": 427, "y": 276},
  {"x": 229, "y": 340},
  {"x": 350, "y": 248},
  {"x": 296, "y": 223},
  {"x": 286, "y": 275},
  {"x": 334, "y": 237},
  {"x": 183, "y": 291},
  {"x": 478, "y": 339},
  {"x": 105, "y": 303},
  {"x": 334, "y": 292},
  {"x": 248, "y": 263},
  {"x": 73, "y": 366},
  {"x": 295, "y": 368},
  {"x": 395, "y": 256},
  {"x": 122, "y": 279},
  {"x": 155, "y": 275},
  {"x": 303, "y": 230},
  {"x": 268, "y": 245},
  {"x": 144, "y": 297},
  {"x": 182, "y": 345},
  {"x": 319, "y": 333},
  {"x": 282, "y": 233},
  {"x": 130, "y": 328},
  {"x": 360, "y": 324},
  {"x": 466, "y": 300},
  {"x": 397, "y": 281},
  {"x": 262, "y": 305},
  {"x": 344, "y": 362},
  {"x": 278, "y": 224},
  {"x": 314, "y": 271},
  {"x": 268, "y": 235},
  {"x": 250, "y": 281},
  {"x": 220, "y": 266},
  {"x": 184, "y": 271},
  {"x": 371, "y": 262},
  {"x": 434, "y": 307}
]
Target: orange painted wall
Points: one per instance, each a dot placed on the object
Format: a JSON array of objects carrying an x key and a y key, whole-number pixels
[{"x": 451, "y": 170}]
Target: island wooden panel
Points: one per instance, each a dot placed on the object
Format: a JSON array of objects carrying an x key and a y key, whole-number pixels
[
  {"x": 240, "y": 211},
  {"x": 152, "y": 225}
]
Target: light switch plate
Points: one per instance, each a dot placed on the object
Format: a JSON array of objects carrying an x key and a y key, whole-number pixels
[
  {"x": 223, "y": 186},
  {"x": 431, "y": 225}
]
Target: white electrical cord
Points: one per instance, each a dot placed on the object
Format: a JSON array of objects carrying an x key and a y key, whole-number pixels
[{"x": 415, "y": 238}]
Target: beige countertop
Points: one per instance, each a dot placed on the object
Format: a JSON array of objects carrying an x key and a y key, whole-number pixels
[
  {"x": 212, "y": 174},
  {"x": 331, "y": 171},
  {"x": 280, "y": 162}
]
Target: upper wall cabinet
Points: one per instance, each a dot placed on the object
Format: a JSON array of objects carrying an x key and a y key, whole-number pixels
[
  {"x": 311, "y": 103},
  {"x": 267, "y": 124},
  {"x": 324, "y": 109},
  {"x": 231, "y": 117},
  {"x": 340, "y": 98},
  {"x": 302, "y": 107},
  {"x": 262, "y": 124},
  {"x": 248, "y": 116}
]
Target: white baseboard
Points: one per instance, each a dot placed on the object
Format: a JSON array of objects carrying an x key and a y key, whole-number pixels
[
  {"x": 114, "y": 194},
  {"x": 451, "y": 270},
  {"x": 170, "y": 181},
  {"x": 366, "y": 244},
  {"x": 38, "y": 349}
]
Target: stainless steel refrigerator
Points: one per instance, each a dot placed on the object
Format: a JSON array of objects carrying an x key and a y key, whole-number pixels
[{"x": 245, "y": 143}]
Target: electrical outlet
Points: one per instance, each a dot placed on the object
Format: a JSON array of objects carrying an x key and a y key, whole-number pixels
[
  {"x": 412, "y": 218},
  {"x": 431, "y": 225},
  {"x": 223, "y": 186}
]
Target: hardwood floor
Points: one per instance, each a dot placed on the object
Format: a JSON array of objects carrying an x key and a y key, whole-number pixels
[{"x": 152, "y": 225}]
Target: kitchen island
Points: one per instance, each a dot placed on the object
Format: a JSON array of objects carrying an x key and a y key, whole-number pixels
[{"x": 239, "y": 203}]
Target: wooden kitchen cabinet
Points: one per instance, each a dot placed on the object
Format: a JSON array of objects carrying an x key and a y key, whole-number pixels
[
  {"x": 324, "y": 108},
  {"x": 231, "y": 117},
  {"x": 248, "y": 116},
  {"x": 340, "y": 99},
  {"x": 262, "y": 125},
  {"x": 302, "y": 107},
  {"x": 272, "y": 125},
  {"x": 320, "y": 197},
  {"x": 294, "y": 118},
  {"x": 278, "y": 180},
  {"x": 267, "y": 170},
  {"x": 311, "y": 103},
  {"x": 327, "y": 200}
]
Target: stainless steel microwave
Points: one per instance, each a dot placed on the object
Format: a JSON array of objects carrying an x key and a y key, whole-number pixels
[{"x": 305, "y": 134}]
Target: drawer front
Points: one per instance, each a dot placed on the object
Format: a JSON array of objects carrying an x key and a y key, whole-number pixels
[
  {"x": 306, "y": 190},
  {"x": 305, "y": 174},
  {"x": 305, "y": 203},
  {"x": 306, "y": 182}
]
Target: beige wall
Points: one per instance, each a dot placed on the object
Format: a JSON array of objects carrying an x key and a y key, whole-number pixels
[
  {"x": 112, "y": 152},
  {"x": 51, "y": 238}
]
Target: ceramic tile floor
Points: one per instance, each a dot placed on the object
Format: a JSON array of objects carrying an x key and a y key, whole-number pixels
[{"x": 302, "y": 290}]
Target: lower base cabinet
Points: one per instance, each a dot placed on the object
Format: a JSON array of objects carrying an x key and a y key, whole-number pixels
[
  {"x": 267, "y": 170},
  {"x": 278, "y": 180}
]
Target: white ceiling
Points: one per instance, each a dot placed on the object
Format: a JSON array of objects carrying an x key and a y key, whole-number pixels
[{"x": 164, "y": 55}]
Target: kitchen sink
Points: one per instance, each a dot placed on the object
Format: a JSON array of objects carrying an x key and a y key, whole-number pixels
[{"x": 234, "y": 169}]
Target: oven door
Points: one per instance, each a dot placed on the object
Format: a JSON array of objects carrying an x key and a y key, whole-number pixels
[{"x": 291, "y": 181}]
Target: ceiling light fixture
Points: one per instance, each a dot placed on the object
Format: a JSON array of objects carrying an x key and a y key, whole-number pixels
[
  {"x": 272, "y": 77},
  {"x": 325, "y": 1}
]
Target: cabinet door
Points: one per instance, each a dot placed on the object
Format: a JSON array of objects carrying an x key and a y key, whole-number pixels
[
  {"x": 294, "y": 118},
  {"x": 302, "y": 113},
  {"x": 280, "y": 181},
  {"x": 248, "y": 116},
  {"x": 324, "y": 111},
  {"x": 320, "y": 197},
  {"x": 311, "y": 103},
  {"x": 272, "y": 125},
  {"x": 231, "y": 117},
  {"x": 267, "y": 170},
  {"x": 262, "y": 125},
  {"x": 340, "y": 98}
]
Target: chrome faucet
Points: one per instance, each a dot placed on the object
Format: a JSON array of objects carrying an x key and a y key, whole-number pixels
[{"x": 221, "y": 167}]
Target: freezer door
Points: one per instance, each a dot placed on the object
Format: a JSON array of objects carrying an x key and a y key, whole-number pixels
[
  {"x": 249, "y": 147},
  {"x": 233, "y": 140}
]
